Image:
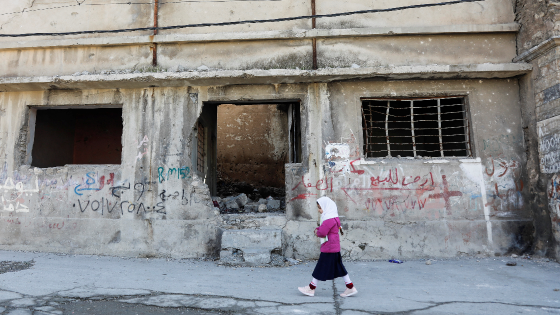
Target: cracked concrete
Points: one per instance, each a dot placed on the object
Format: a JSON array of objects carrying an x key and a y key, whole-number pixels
[{"x": 62, "y": 284}]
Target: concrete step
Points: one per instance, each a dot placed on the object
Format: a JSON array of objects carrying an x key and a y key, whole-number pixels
[{"x": 251, "y": 247}]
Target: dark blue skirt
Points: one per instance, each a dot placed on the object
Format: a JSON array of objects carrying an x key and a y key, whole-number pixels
[{"x": 329, "y": 267}]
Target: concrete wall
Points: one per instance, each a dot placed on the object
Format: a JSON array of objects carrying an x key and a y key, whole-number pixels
[
  {"x": 153, "y": 203},
  {"x": 150, "y": 205},
  {"x": 480, "y": 33},
  {"x": 473, "y": 205},
  {"x": 29, "y": 16}
]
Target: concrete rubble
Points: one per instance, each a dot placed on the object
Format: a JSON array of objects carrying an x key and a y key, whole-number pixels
[{"x": 242, "y": 204}]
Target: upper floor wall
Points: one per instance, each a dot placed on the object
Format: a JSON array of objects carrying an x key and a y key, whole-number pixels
[
  {"x": 32, "y": 16},
  {"x": 472, "y": 33}
]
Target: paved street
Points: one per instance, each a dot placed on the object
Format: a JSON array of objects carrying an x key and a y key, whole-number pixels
[{"x": 39, "y": 283}]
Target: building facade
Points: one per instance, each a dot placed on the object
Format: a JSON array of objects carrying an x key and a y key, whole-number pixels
[{"x": 433, "y": 128}]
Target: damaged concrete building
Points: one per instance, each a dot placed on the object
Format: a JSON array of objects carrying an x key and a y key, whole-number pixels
[{"x": 433, "y": 125}]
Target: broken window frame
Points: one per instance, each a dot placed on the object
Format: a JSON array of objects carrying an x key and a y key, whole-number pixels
[{"x": 367, "y": 127}]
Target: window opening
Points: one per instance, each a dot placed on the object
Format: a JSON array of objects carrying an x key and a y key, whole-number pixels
[
  {"x": 435, "y": 127},
  {"x": 77, "y": 136}
]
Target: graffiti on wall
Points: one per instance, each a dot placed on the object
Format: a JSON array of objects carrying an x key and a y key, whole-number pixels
[
  {"x": 94, "y": 191},
  {"x": 112, "y": 199},
  {"x": 14, "y": 195},
  {"x": 505, "y": 186},
  {"x": 554, "y": 198},
  {"x": 16, "y": 190},
  {"x": 382, "y": 190},
  {"x": 549, "y": 145},
  {"x": 167, "y": 173},
  {"x": 142, "y": 148},
  {"x": 398, "y": 188}
]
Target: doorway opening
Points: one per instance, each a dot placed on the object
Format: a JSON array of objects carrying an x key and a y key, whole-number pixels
[{"x": 252, "y": 143}]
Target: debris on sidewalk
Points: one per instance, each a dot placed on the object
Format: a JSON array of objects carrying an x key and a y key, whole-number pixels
[
  {"x": 13, "y": 266},
  {"x": 511, "y": 263},
  {"x": 396, "y": 261},
  {"x": 292, "y": 261}
]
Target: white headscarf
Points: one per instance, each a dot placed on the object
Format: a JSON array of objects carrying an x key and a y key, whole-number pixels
[{"x": 329, "y": 208}]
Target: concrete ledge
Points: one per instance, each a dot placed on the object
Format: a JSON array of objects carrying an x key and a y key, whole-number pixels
[
  {"x": 538, "y": 50},
  {"x": 268, "y": 35},
  {"x": 273, "y": 76}
]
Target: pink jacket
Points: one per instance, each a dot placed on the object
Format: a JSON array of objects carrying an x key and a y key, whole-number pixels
[{"x": 329, "y": 228}]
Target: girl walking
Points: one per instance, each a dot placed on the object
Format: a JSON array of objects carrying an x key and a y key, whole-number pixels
[{"x": 330, "y": 264}]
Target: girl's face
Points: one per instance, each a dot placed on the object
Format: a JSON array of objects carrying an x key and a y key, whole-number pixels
[{"x": 319, "y": 209}]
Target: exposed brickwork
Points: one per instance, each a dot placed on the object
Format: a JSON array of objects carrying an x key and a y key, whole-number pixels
[
  {"x": 536, "y": 18},
  {"x": 540, "y": 23}
]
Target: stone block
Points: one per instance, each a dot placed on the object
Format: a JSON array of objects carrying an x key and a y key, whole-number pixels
[
  {"x": 251, "y": 207},
  {"x": 226, "y": 254},
  {"x": 232, "y": 205},
  {"x": 262, "y": 201},
  {"x": 241, "y": 200},
  {"x": 262, "y": 208},
  {"x": 255, "y": 245},
  {"x": 256, "y": 256},
  {"x": 243, "y": 239},
  {"x": 272, "y": 205}
]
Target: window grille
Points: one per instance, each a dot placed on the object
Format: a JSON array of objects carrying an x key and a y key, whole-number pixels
[
  {"x": 435, "y": 127},
  {"x": 200, "y": 148}
]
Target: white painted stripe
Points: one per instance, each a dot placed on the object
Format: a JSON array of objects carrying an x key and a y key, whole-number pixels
[{"x": 473, "y": 170}]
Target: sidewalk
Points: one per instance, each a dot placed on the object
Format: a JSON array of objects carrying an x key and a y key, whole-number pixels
[{"x": 66, "y": 284}]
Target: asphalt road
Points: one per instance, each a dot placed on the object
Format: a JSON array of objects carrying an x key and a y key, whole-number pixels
[{"x": 41, "y": 283}]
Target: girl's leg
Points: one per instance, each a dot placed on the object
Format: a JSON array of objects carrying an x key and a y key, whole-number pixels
[
  {"x": 313, "y": 283},
  {"x": 350, "y": 289},
  {"x": 348, "y": 282}
]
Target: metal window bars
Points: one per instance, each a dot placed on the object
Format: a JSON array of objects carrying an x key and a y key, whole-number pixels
[{"x": 436, "y": 127}]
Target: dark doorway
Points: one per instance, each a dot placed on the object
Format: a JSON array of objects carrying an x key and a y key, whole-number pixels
[
  {"x": 253, "y": 142},
  {"x": 77, "y": 136}
]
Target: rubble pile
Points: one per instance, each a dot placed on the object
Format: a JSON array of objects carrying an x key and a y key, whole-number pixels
[
  {"x": 242, "y": 197},
  {"x": 232, "y": 188},
  {"x": 243, "y": 204}
]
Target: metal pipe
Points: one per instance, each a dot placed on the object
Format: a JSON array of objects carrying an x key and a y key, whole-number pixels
[
  {"x": 154, "y": 45},
  {"x": 387, "y": 128},
  {"x": 412, "y": 127},
  {"x": 439, "y": 126},
  {"x": 314, "y": 40}
]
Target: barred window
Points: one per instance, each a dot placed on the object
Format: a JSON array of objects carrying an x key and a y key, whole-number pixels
[{"x": 436, "y": 127}]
